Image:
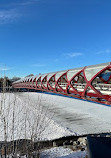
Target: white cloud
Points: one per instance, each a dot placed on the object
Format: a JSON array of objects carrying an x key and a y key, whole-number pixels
[
  {"x": 38, "y": 65},
  {"x": 72, "y": 55},
  {"x": 104, "y": 51},
  {"x": 14, "y": 11},
  {"x": 28, "y": 2},
  {"x": 3, "y": 68},
  {"x": 7, "y": 16}
]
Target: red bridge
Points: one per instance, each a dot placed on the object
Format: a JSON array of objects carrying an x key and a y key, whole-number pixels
[{"x": 90, "y": 83}]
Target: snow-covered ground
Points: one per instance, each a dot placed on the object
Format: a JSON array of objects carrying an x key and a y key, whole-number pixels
[
  {"x": 79, "y": 117},
  {"x": 23, "y": 117},
  {"x": 61, "y": 152},
  {"x": 45, "y": 117}
]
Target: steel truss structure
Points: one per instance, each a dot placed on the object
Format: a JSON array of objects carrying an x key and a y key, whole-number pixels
[{"x": 90, "y": 83}]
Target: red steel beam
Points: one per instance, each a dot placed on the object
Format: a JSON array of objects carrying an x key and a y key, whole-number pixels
[{"x": 69, "y": 90}]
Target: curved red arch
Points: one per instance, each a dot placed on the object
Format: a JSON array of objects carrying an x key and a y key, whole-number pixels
[{"x": 67, "y": 87}]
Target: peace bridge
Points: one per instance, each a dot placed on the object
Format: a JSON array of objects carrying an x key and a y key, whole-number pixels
[{"x": 90, "y": 82}]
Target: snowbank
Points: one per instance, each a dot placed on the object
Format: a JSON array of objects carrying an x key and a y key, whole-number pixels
[{"x": 61, "y": 152}]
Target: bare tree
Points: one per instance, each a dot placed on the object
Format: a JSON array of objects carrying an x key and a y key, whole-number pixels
[{"x": 23, "y": 119}]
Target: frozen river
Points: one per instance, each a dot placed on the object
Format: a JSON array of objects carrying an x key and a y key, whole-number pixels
[{"x": 76, "y": 115}]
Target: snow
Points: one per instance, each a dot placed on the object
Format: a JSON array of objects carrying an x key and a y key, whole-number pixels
[
  {"x": 79, "y": 154},
  {"x": 45, "y": 117},
  {"x": 79, "y": 117},
  {"x": 61, "y": 152},
  {"x": 56, "y": 152},
  {"x": 25, "y": 118},
  {"x": 30, "y": 115}
]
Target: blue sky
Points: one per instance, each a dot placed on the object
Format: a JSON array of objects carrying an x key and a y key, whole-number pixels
[{"x": 40, "y": 36}]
